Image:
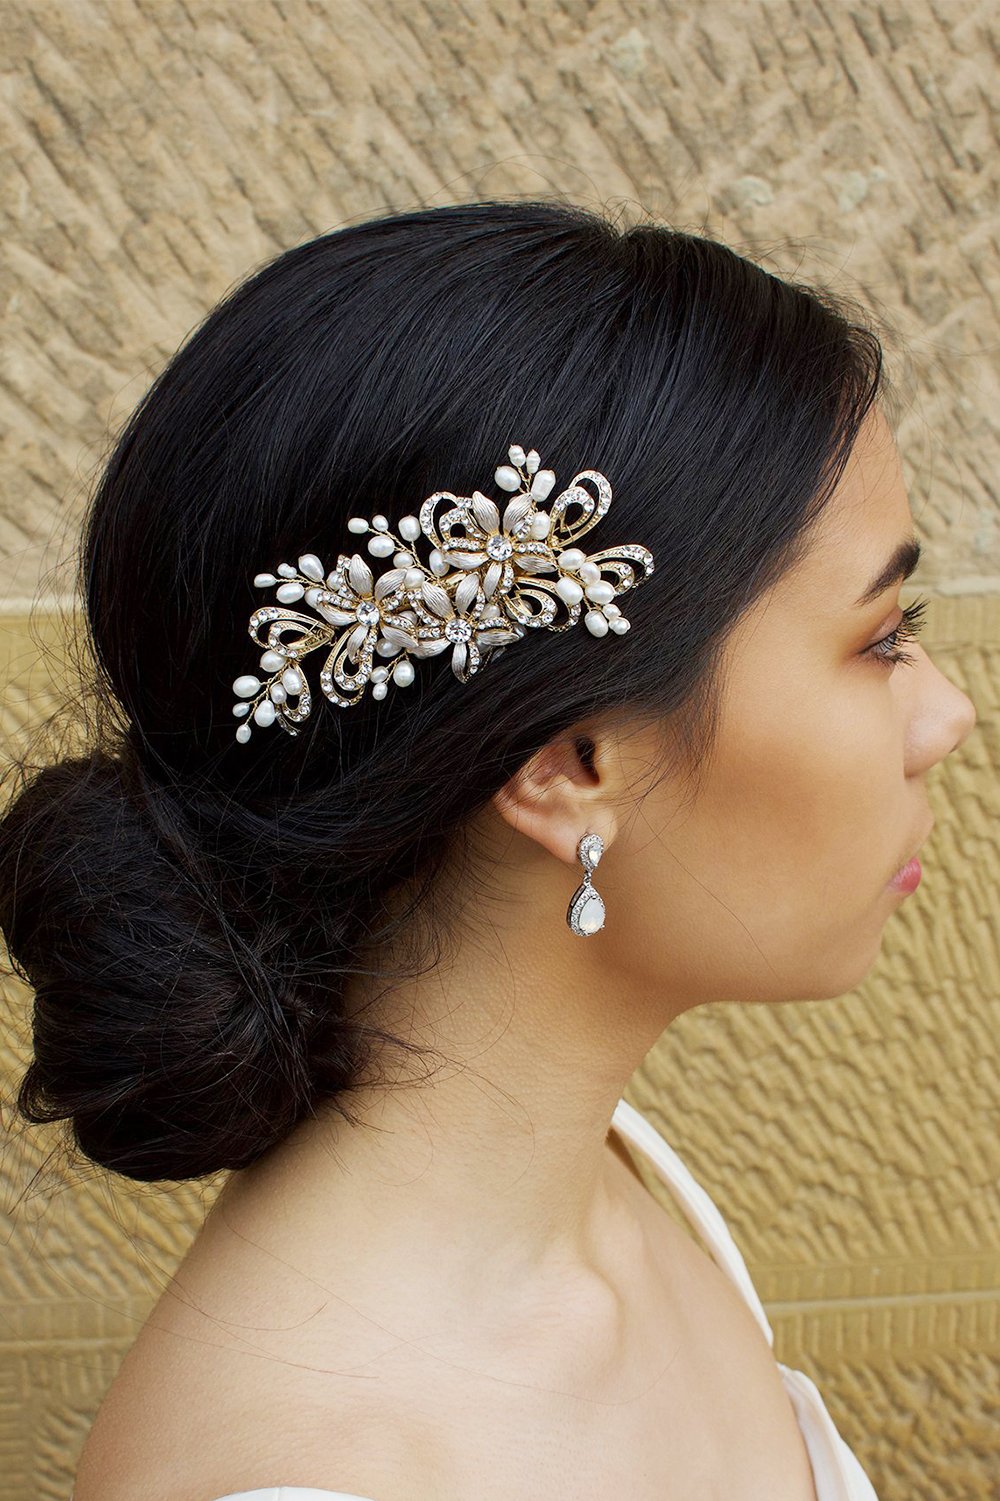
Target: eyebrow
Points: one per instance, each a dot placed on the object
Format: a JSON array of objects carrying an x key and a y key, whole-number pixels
[{"x": 899, "y": 567}]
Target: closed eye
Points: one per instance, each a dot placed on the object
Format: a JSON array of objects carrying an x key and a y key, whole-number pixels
[{"x": 888, "y": 648}]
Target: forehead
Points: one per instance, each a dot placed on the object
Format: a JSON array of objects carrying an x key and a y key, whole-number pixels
[{"x": 865, "y": 519}]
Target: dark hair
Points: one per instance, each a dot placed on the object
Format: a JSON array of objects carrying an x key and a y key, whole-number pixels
[{"x": 188, "y": 908}]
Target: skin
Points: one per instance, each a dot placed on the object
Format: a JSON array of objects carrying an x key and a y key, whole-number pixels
[
  {"x": 483, "y": 1229},
  {"x": 770, "y": 885}
]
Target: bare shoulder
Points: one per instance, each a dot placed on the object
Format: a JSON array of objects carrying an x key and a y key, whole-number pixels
[
  {"x": 190, "y": 1417},
  {"x": 176, "y": 1423},
  {"x": 240, "y": 1380},
  {"x": 232, "y": 1385}
]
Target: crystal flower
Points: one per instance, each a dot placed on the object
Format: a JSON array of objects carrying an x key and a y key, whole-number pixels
[{"x": 481, "y": 590}]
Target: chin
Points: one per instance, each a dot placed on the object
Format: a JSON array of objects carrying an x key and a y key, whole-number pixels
[
  {"x": 854, "y": 969},
  {"x": 836, "y": 968}
]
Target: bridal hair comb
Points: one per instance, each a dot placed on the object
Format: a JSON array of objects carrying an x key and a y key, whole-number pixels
[{"x": 482, "y": 589}]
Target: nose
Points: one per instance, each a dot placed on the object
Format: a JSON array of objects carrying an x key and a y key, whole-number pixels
[
  {"x": 968, "y": 723},
  {"x": 946, "y": 716},
  {"x": 963, "y": 716}
]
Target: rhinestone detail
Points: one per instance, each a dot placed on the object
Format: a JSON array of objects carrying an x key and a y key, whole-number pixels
[{"x": 496, "y": 574}]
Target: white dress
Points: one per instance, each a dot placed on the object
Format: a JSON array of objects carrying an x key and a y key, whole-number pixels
[{"x": 837, "y": 1473}]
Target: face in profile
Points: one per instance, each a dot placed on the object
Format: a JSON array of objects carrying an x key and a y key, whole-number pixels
[{"x": 771, "y": 882}]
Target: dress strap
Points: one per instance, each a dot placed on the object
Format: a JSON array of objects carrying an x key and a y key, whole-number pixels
[{"x": 694, "y": 1201}]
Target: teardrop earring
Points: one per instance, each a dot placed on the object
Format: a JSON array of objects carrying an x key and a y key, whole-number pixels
[{"x": 585, "y": 914}]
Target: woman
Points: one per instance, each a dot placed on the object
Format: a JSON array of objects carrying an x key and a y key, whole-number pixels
[{"x": 356, "y": 954}]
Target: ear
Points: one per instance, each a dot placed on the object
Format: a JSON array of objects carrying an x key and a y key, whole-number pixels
[{"x": 565, "y": 790}]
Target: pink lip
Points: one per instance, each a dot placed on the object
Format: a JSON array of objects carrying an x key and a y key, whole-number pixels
[{"x": 907, "y": 879}]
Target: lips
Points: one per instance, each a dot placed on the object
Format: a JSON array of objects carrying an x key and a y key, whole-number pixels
[{"x": 916, "y": 851}]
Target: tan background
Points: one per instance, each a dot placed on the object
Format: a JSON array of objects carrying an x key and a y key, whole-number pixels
[{"x": 155, "y": 152}]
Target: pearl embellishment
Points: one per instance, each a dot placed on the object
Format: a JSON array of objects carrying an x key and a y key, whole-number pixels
[{"x": 493, "y": 570}]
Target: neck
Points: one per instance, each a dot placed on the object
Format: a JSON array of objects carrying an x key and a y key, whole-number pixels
[{"x": 488, "y": 1184}]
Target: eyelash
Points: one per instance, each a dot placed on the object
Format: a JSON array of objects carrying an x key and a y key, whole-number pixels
[{"x": 908, "y": 629}]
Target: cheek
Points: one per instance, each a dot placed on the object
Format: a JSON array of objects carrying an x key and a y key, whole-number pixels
[
  {"x": 808, "y": 779},
  {"x": 801, "y": 796},
  {"x": 767, "y": 885}
]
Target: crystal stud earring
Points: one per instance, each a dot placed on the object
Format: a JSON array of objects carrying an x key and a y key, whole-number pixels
[{"x": 585, "y": 914}]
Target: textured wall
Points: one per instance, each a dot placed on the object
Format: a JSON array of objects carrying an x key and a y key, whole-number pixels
[{"x": 153, "y": 153}]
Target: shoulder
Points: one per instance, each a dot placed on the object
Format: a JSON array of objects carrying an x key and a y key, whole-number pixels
[
  {"x": 205, "y": 1408},
  {"x": 245, "y": 1373},
  {"x": 212, "y": 1426}
]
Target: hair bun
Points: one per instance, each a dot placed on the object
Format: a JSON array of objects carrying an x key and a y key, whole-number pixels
[{"x": 158, "y": 1030}]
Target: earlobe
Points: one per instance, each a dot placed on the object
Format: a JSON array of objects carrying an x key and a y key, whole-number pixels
[{"x": 556, "y": 797}]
